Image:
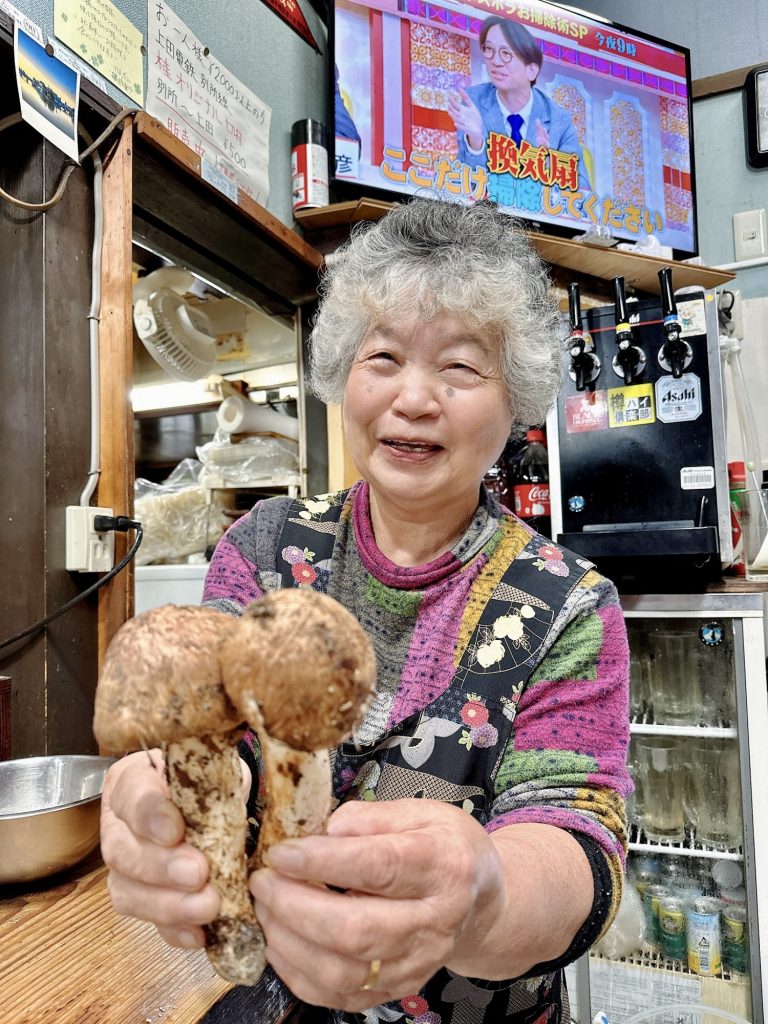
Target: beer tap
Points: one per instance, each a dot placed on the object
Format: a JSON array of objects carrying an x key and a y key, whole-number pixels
[
  {"x": 585, "y": 365},
  {"x": 675, "y": 354},
  {"x": 629, "y": 361}
]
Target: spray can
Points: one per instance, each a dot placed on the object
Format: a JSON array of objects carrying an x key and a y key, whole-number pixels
[{"x": 309, "y": 165}]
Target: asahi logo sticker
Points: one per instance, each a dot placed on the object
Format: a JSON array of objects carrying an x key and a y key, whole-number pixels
[{"x": 678, "y": 400}]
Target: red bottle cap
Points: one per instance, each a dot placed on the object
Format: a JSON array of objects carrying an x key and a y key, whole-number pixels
[
  {"x": 737, "y": 472},
  {"x": 538, "y": 435}
]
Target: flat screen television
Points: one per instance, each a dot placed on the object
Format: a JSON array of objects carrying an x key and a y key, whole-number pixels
[{"x": 564, "y": 119}]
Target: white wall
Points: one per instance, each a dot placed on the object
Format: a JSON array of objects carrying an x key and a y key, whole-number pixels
[{"x": 754, "y": 361}]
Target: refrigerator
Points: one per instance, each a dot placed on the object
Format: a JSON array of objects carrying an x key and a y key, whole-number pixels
[{"x": 694, "y": 948}]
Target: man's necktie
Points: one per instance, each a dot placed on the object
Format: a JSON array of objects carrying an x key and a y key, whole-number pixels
[{"x": 515, "y": 122}]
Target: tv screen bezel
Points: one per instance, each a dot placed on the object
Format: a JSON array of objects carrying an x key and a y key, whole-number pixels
[{"x": 346, "y": 189}]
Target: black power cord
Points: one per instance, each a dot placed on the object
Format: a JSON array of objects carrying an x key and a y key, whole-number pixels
[{"x": 101, "y": 524}]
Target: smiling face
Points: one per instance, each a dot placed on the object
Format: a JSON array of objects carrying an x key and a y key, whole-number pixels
[
  {"x": 513, "y": 77},
  {"x": 426, "y": 412}
]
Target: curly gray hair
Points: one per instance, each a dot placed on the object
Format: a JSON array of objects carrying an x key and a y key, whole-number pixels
[{"x": 426, "y": 257}]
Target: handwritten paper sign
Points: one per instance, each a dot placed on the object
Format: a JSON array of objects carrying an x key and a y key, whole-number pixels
[
  {"x": 206, "y": 107},
  {"x": 100, "y": 34}
]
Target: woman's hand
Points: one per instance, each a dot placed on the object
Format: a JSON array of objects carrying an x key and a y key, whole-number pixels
[
  {"x": 153, "y": 875},
  {"x": 467, "y": 118},
  {"x": 420, "y": 878}
]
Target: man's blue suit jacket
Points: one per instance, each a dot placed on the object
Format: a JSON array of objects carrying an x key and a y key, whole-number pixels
[{"x": 554, "y": 118}]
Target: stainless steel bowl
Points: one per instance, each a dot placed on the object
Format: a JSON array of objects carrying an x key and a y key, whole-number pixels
[{"x": 49, "y": 813}]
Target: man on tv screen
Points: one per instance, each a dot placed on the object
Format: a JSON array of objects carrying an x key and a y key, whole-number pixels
[{"x": 510, "y": 105}]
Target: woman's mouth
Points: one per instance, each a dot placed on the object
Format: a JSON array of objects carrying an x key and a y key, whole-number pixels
[
  {"x": 413, "y": 449},
  {"x": 412, "y": 445}
]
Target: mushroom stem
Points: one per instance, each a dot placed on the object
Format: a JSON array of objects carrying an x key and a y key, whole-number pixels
[
  {"x": 206, "y": 785},
  {"x": 298, "y": 793}
]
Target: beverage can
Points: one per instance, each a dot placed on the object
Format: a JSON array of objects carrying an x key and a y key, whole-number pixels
[
  {"x": 653, "y": 894},
  {"x": 641, "y": 884},
  {"x": 733, "y": 924},
  {"x": 703, "y": 926},
  {"x": 672, "y": 931}
]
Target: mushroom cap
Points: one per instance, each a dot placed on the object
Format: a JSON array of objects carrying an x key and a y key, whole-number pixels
[
  {"x": 161, "y": 679},
  {"x": 299, "y": 662}
]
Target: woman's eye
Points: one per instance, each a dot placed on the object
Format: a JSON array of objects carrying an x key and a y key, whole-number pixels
[{"x": 461, "y": 366}]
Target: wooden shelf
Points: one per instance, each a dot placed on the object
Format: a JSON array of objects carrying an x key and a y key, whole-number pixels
[
  {"x": 150, "y": 130},
  {"x": 637, "y": 269}
]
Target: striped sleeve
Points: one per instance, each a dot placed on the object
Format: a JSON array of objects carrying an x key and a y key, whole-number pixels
[
  {"x": 565, "y": 763},
  {"x": 243, "y": 564}
]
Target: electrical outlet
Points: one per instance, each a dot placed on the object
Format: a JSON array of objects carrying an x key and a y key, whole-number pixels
[
  {"x": 750, "y": 234},
  {"x": 87, "y": 550}
]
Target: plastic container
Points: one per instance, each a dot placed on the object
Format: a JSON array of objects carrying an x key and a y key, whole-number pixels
[{"x": 168, "y": 584}]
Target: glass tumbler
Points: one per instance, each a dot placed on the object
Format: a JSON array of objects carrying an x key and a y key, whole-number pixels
[
  {"x": 713, "y": 794},
  {"x": 660, "y": 771},
  {"x": 675, "y": 684}
]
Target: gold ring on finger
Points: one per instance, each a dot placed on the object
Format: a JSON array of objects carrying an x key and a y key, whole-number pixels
[{"x": 372, "y": 978}]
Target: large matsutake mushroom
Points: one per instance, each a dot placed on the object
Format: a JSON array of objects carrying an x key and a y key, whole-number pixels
[
  {"x": 161, "y": 686},
  {"x": 301, "y": 671}
]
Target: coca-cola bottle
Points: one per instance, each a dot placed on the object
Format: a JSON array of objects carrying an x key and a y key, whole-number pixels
[{"x": 532, "y": 483}]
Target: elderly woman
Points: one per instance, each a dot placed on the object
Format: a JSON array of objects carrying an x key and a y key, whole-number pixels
[{"x": 478, "y": 843}]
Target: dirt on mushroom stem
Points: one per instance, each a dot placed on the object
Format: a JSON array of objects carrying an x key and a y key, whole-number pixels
[
  {"x": 161, "y": 685},
  {"x": 205, "y": 784}
]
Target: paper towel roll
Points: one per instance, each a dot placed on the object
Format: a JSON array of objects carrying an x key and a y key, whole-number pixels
[{"x": 237, "y": 415}]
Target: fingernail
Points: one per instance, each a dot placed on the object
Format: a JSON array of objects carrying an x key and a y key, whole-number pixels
[
  {"x": 189, "y": 940},
  {"x": 286, "y": 857},
  {"x": 163, "y": 828},
  {"x": 261, "y": 887},
  {"x": 199, "y": 907},
  {"x": 185, "y": 872}
]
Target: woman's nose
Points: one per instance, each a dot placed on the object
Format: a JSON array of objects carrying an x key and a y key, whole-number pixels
[{"x": 417, "y": 394}]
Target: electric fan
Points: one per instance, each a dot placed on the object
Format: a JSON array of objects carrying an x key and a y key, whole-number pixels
[{"x": 179, "y": 336}]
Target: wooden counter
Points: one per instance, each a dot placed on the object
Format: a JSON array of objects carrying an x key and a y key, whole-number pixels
[{"x": 66, "y": 957}]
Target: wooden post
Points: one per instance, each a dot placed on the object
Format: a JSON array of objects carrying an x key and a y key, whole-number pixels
[
  {"x": 5, "y": 718},
  {"x": 115, "y": 489},
  {"x": 342, "y": 472}
]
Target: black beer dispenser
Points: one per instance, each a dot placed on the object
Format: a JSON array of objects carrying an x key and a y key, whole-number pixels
[{"x": 638, "y": 475}]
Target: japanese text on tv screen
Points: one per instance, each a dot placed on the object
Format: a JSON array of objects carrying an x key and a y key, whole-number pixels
[{"x": 559, "y": 118}]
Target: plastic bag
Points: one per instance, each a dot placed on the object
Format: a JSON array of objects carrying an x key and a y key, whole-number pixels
[
  {"x": 628, "y": 930},
  {"x": 179, "y": 516},
  {"x": 253, "y": 462}
]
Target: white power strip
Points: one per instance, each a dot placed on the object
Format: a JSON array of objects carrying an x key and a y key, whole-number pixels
[{"x": 87, "y": 550}]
